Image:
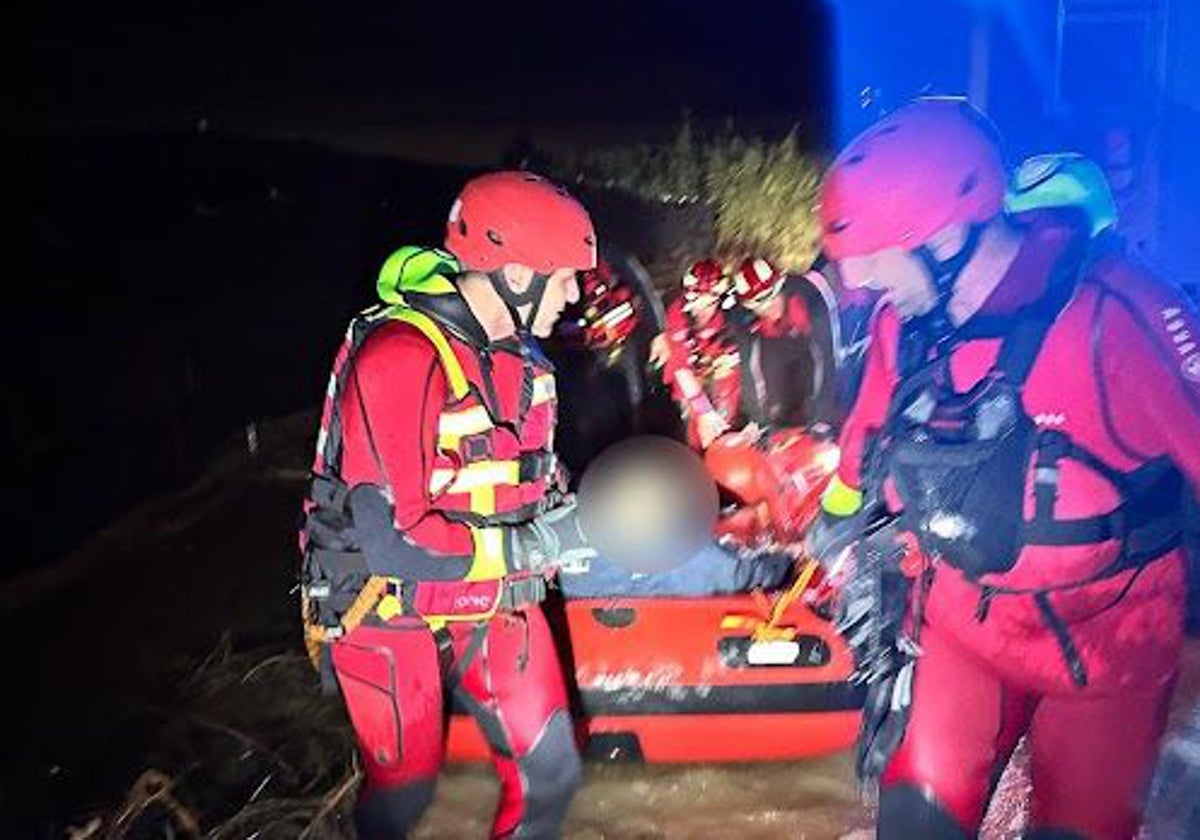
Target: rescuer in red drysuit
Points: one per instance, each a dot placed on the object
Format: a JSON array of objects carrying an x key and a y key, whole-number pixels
[
  {"x": 1028, "y": 406},
  {"x": 698, "y": 356},
  {"x": 435, "y": 455},
  {"x": 786, "y": 337}
]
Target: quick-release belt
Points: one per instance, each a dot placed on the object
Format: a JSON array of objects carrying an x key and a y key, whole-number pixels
[{"x": 440, "y": 602}]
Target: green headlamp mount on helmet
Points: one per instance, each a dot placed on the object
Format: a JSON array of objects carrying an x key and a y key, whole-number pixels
[{"x": 1066, "y": 180}]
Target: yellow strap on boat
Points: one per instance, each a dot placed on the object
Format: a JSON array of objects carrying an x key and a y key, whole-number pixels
[{"x": 770, "y": 629}]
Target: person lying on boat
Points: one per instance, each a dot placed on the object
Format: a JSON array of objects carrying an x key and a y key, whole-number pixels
[
  {"x": 645, "y": 525},
  {"x": 716, "y": 569}
]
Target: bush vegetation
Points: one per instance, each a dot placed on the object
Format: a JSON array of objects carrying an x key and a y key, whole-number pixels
[{"x": 762, "y": 192}]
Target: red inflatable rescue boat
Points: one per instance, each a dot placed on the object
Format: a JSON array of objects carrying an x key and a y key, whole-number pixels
[
  {"x": 745, "y": 677},
  {"x": 683, "y": 680}
]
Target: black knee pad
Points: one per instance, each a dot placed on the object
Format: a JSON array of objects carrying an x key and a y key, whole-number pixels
[
  {"x": 552, "y": 771},
  {"x": 906, "y": 813},
  {"x": 390, "y": 813}
]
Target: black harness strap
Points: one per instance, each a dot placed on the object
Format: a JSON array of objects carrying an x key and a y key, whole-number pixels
[
  {"x": 1146, "y": 522},
  {"x": 454, "y": 673},
  {"x": 512, "y": 300},
  {"x": 514, "y": 517},
  {"x": 1062, "y": 635}
]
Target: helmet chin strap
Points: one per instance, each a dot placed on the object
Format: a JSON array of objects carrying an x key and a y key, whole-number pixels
[
  {"x": 945, "y": 275},
  {"x": 514, "y": 300}
]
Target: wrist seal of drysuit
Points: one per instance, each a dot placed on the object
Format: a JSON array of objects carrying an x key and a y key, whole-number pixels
[{"x": 840, "y": 499}]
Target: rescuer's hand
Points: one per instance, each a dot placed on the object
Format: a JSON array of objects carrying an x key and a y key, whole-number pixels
[
  {"x": 710, "y": 426},
  {"x": 551, "y": 541},
  {"x": 830, "y": 538},
  {"x": 660, "y": 350}
]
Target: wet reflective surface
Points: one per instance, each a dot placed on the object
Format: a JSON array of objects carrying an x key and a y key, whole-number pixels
[{"x": 813, "y": 799}]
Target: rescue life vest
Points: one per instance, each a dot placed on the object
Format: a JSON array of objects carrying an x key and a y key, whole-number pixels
[
  {"x": 960, "y": 461},
  {"x": 479, "y": 477}
]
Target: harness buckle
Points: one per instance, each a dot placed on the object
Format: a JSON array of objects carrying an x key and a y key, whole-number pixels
[
  {"x": 535, "y": 465},
  {"x": 522, "y": 591},
  {"x": 477, "y": 448},
  {"x": 1046, "y": 476},
  {"x": 1052, "y": 447}
]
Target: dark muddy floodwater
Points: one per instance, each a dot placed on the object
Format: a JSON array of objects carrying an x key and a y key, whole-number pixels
[{"x": 813, "y": 799}]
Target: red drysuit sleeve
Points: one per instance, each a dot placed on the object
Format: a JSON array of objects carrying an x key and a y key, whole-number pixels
[
  {"x": 403, "y": 389},
  {"x": 677, "y": 359}
]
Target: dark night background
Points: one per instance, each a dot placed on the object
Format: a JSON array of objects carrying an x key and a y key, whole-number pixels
[
  {"x": 201, "y": 193},
  {"x": 204, "y": 191}
]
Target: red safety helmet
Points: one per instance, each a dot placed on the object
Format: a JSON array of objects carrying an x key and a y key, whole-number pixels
[
  {"x": 705, "y": 277},
  {"x": 756, "y": 281},
  {"x": 928, "y": 165},
  {"x": 519, "y": 217}
]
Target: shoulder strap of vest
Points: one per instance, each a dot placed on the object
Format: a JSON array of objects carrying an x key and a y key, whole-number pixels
[
  {"x": 1021, "y": 347},
  {"x": 452, "y": 367},
  {"x": 913, "y": 346}
]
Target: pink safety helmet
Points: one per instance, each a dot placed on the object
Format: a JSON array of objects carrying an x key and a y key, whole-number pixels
[{"x": 928, "y": 165}]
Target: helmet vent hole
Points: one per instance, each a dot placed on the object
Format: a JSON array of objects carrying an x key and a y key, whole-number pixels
[
  {"x": 969, "y": 184},
  {"x": 855, "y": 159},
  {"x": 462, "y": 227},
  {"x": 589, "y": 241},
  {"x": 889, "y": 129},
  {"x": 495, "y": 238},
  {"x": 839, "y": 226}
]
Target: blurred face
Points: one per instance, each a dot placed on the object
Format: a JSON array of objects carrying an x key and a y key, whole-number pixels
[
  {"x": 561, "y": 290},
  {"x": 703, "y": 307},
  {"x": 898, "y": 274},
  {"x": 769, "y": 307}
]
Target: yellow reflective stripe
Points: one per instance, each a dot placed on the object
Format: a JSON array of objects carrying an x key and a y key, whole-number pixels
[
  {"x": 489, "y": 542},
  {"x": 543, "y": 388},
  {"x": 474, "y": 476},
  {"x": 453, "y": 426},
  {"x": 840, "y": 499},
  {"x": 489, "y": 554},
  {"x": 466, "y": 422},
  {"x": 450, "y": 364}
]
